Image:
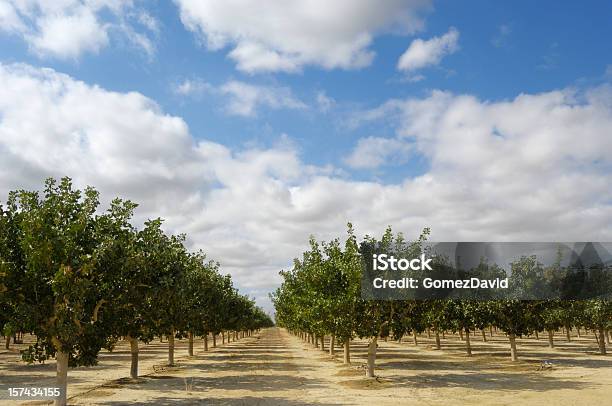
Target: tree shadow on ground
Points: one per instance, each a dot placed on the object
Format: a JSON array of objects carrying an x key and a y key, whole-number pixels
[
  {"x": 228, "y": 382},
  {"x": 242, "y": 401},
  {"x": 490, "y": 381},
  {"x": 246, "y": 366},
  {"x": 244, "y": 357}
]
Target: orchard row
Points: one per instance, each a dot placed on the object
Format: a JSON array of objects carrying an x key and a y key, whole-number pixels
[
  {"x": 80, "y": 279},
  {"x": 321, "y": 295}
]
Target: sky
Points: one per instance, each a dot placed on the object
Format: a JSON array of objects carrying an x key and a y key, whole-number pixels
[{"x": 251, "y": 125}]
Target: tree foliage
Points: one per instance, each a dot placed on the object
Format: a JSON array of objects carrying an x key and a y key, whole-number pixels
[{"x": 79, "y": 278}]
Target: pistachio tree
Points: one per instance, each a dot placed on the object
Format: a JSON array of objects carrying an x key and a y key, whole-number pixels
[{"x": 64, "y": 246}]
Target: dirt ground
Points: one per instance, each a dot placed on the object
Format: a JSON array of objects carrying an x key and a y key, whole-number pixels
[{"x": 276, "y": 368}]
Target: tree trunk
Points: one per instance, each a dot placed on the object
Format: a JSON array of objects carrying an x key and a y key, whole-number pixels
[
  {"x": 214, "y": 340},
  {"x": 468, "y": 345},
  {"x": 205, "y": 342},
  {"x": 461, "y": 335},
  {"x": 416, "y": 341},
  {"x": 491, "y": 331},
  {"x": 537, "y": 335},
  {"x": 222, "y": 337},
  {"x": 322, "y": 343},
  {"x": 134, "y": 354},
  {"x": 62, "y": 378},
  {"x": 437, "y": 339},
  {"x": 190, "y": 348},
  {"x": 372, "y": 356},
  {"x": 513, "y": 354},
  {"x": 608, "y": 337},
  {"x": 7, "y": 342},
  {"x": 171, "y": 348},
  {"x": 567, "y": 333},
  {"x": 484, "y": 335},
  {"x": 551, "y": 341},
  {"x": 332, "y": 342},
  {"x": 347, "y": 351},
  {"x": 578, "y": 331},
  {"x": 602, "y": 342},
  {"x": 444, "y": 334},
  {"x": 428, "y": 333}
]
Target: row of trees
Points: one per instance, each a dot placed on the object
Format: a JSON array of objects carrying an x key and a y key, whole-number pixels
[
  {"x": 80, "y": 279},
  {"x": 321, "y": 295}
]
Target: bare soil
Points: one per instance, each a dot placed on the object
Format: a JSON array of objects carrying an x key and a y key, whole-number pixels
[{"x": 276, "y": 368}]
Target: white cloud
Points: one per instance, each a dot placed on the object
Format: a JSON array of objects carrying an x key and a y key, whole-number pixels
[
  {"x": 372, "y": 152},
  {"x": 9, "y": 18},
  {"x": 287, "y": 35},
  {"x": 533, "y": 168},
  {"x": 192, "y": 87},
  {"x": 241, "y": 98},
  {"x": 422, "y": 53},
  {"x": 69, "y": 35},
  {"x": 245, "y": 99},
  {"x": 148, "y": 21},
  {"x": 67, "y": 29}
]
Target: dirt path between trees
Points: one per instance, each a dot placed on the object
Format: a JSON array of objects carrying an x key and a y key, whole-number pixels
[{"x": 276, "y": 368}]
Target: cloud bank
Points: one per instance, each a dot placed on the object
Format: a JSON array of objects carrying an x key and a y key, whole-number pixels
[
  {"x": 287, "y": 35},
  {"x": 69, "y": 28},
  {"x": 532, "y": 168}
]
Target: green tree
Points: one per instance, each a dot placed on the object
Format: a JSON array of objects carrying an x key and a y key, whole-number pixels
[
  {"x": 64, "y": 244},
  {"x": 598, "y": 316}
]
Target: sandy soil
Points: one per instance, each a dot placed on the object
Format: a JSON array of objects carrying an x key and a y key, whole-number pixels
[{"x": 275, "y": 368}]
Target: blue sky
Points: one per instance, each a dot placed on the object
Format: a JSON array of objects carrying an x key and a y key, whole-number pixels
[
  {"x": 312, "y": 107},
  {"x": 505, "y": 49}
]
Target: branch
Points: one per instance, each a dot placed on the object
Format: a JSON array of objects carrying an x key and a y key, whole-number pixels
[{"x": 94, "y": 318}]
